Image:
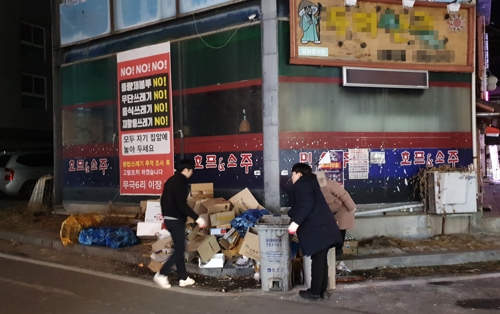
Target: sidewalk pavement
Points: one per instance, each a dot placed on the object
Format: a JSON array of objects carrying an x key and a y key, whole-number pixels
[{"x": 139, "y": 254}]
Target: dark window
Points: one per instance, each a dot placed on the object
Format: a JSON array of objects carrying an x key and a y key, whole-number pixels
[
  {"x": 33, "y": 90},
  {"x": 32, "y": 41},
  {"x": 4, "y": 159},
  {"x": 36, "y": 160}
]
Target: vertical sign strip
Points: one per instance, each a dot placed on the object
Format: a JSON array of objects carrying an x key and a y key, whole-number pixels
[{"x": 145, "y": 117}]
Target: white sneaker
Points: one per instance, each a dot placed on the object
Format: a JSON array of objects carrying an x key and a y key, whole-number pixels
[
  {"x": 187, "y": 282},
  {"x": 161, "y": 281}
]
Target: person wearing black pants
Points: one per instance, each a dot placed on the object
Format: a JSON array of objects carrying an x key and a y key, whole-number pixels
[
  {"x": 175, "y": 212},
  {"x": 315, "y": 226}
]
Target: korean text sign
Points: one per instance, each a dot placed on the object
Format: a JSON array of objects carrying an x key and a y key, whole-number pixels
[{"x": 145, "y": 118}]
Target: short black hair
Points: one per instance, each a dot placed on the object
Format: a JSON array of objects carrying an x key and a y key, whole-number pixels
[
  {"x": 184, "y": 164},
  {"x": 303, "y": 168}
]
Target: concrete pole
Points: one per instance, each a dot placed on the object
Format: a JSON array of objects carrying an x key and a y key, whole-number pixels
[{"x": 270, "y": 104}]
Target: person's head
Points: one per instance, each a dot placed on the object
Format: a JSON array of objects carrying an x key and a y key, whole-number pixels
[
  {"x": 299, "y": 170},
  {"x": 186, "y": 167}
]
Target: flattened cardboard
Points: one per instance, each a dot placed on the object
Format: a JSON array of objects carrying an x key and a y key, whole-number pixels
[
  {"x": 202, "y": 190},
  {"x": 208, "y": 248},
  {"x": 193, "y": 234},
  {"x": 155, "y": 266},
  {"x": 162, "y": 244},
  {"x": 243, "y": 201},
  {"x": 221, "y": 220},
  {"x": 250, "y": 246}
]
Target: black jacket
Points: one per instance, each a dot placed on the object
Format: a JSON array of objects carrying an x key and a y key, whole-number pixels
[
  {"x": 317, "y": 226},
  {"x": 174, "y": 198}
]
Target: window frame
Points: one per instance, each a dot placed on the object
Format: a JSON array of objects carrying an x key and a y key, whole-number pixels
[
  {"x": 32, "y": 93},
  {"x": 32, "y": 43}
]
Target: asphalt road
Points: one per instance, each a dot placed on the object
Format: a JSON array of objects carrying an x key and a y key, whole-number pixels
[
  {"x": 29, "y": 286},
  {"x": 11, "y": 202}
]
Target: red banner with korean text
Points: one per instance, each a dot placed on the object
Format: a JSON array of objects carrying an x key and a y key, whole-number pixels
[{"x": 145, "y": 119}]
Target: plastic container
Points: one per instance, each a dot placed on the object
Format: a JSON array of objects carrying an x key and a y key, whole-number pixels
[{"x": 275, "y": 253}]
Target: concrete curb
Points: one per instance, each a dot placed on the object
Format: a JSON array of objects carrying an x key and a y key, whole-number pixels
[
  {"x": 360, "y": 263},
  {"x": 121, "y": 255},
  {"x": 424, "y": 259}
]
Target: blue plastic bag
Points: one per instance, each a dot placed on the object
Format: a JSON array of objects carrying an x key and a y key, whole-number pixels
[
  {"x": 114, "y": 237},
  {"x": 248, "y": 219}
]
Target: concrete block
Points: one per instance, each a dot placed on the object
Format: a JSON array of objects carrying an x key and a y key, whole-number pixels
[{"x": 456, "y": 224}]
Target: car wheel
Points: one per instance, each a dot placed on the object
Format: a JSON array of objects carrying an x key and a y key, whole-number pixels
[{"x": 27, "y": 189}]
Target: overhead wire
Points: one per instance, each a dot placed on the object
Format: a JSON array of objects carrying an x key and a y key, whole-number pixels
[{"x": 225, "y": 44}]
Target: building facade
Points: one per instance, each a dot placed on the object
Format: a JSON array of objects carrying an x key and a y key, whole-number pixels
[
  {"x": 26, "y": 75},
  {"x": 254, "y": 90}
]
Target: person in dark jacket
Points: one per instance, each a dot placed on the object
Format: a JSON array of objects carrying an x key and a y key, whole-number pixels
[
  {"x": 315, "y": 226},
  {"x": 175, "y": 212}
]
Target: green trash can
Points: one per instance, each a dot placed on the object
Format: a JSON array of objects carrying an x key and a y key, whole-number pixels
[{"x": 275, "y": 253}]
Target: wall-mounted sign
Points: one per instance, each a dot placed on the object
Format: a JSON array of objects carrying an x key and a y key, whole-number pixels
[
  {"x": 145, "y": 134},
  {"x": 382, "y": 34}
]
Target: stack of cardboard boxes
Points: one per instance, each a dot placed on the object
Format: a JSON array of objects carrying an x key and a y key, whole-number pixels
[{"x": 213, "y": 245}]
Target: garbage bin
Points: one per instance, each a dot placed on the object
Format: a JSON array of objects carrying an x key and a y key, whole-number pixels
[{"x": 275, "y": 253}]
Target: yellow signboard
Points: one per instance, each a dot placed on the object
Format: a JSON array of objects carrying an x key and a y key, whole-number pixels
[{"x": 382, "y": 34}]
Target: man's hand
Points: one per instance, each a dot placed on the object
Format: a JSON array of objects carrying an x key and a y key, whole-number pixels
[
  {"x": 201, "y": 222},
  {"x": 292, "y": 229}
]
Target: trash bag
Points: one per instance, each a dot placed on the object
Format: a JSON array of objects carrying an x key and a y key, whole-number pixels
[
  {"x": 121, "y": 237},
  {"x": 74, "y": 224},
  {"x": 248, "y": 219},
  {"x": 114, "y": 237}
]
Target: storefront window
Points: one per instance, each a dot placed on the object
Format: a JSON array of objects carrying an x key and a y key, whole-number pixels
[
  {"x": 82, "y": 20},
  {"x": 131, "y": 13},
  {"x": 221, "y": 112},
  {"x": 327, "y": 107},
  {"x": 187, "y": 6}
]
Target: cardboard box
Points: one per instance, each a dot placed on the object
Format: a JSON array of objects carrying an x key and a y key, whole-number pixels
[
  {"x": 153, "y": 211},
  {"x": 148, "y": 228},
  {"x": 243, "y": 201},
  {"x": 250, "y": 246},
  {"x": 202, "y": 190},
  {"x": 229, "y": 240},
  {"x": 193, "y": 245},
  {"x": 234, "y": 251},
  {"x": 208, "y": 248},
  {"x": 222, "y": 220},
  {"x": 218, "y": 208},
  {"x": 216, "y": 262},
  {"x": 350, "y": 247},
  {"x": 209, "y": 202}
]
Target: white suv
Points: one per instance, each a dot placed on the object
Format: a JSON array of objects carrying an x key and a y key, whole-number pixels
[{"x": 20, "y": 171}]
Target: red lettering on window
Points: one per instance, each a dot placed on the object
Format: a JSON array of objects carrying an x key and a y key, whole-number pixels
[
  {"x": 80, "y": 165},
  {"x": 406, "y": 159},
  {"x": 197, "y": 162},
  {"x": 211, "y": 161},
  {"x": 222, "y": 166},
  {"x": 453, "y": 157},
  {"x": 419, "y": 157},
  {"x": 246, "y": 161},
  {"x": 440, "y": 157},
  {"x": 71, "y": 166},
  {"x": 103, "y": 165},
  {"x": 232, "y": 161},
  {"x": 305, "y": 157}
]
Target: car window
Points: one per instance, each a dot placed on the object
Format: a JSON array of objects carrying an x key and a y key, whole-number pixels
[
  {"x": 36, "y": 160},
  {"x": 4, "y": 159}
]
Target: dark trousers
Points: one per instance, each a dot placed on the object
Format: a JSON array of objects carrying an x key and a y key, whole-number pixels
[
  {"x": 177, "y": 230},
  {"x": 338, "y": 247},
  {"x": 319, "y": 272}
]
